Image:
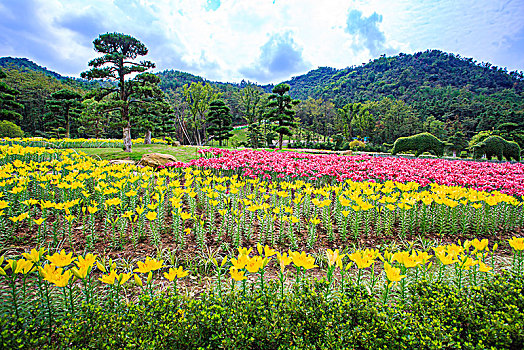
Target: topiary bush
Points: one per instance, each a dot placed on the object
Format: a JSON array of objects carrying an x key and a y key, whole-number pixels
[
  {"x": 419, "y": 143},
  {"x": 10, "y": 129},
  {"x": 497, "y": 146}
]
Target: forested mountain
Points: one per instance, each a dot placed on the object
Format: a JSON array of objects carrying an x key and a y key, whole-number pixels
[
  {"x": 25, "y": 65},
  {"x": 386, "y": 98},
  {"x": 457, "y": 92},
  {"x": 397, "y": 76}
]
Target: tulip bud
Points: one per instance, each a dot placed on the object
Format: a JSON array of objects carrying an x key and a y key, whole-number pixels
[
  {"x": 138, "y": 280},
  {"x": 149, "y": 277},
  {"x": 101, "y": 267}
]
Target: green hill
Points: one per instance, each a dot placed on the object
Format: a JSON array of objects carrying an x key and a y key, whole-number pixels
[
  {"x": 452, "y": 92},
  {"x": 399, "y": 75}
]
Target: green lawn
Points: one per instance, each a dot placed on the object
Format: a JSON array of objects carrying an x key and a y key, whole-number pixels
[{"x": 183, "y": 153}]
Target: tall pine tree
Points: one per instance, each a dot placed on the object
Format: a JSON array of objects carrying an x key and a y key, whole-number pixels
[
  {"x": 281, "y": 111},
  {"x": 219, "y": 119},
  {"x": 119, "y": 52},
  {"x": 64, "y": 106}
]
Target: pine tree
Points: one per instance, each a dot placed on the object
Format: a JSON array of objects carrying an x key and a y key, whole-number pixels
[
  {"x": 119, "y": 51},
  {"x": 281, "y": 111},
  {"x": 220, "y": 119},
  {"x": 8, "y": 104},
  {"x": 64, "y": 106}
]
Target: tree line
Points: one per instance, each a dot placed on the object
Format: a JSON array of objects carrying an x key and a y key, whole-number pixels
[{"x": 379, "y": 102}]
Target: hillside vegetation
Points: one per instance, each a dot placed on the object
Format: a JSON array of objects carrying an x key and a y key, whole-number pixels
[{"x": 452, "y": 97}]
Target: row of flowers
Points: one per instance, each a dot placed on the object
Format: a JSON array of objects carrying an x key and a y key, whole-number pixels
[
  {"x": 506, "y": 177},
  {"x": 63, "y": 270},
  {"x": 63, "y": 143}
]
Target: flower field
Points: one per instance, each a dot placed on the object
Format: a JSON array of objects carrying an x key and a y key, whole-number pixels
[
  {"x": 86, "y": 241},
  {"x": 483, "y": 176}
]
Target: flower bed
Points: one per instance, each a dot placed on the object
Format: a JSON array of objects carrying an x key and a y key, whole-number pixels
[{"x": 505, "y": 177}]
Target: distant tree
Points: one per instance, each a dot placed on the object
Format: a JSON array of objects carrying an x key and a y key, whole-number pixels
[
  {"x": 8, "y": 104},
  {"x": 64, "y": 106},
  {"x": 346, "y": 115},
  {"x": 34, "y": 89},
  {"x": 219, "y": 119},
  {"x": 119, "y": 52},
  {"x": 93, "y": 118},
  {"x": 281, "y": 111},
  {"x": 392, "y": 119},
  {"x": 363, "y": 122},
  {"x": 198, "y": 97},
  {"x": 457, "y": 142},
  {"x": 435, "y": 127},
  {"x": 250, "y": 100},
  {"x": 149, "y": 110},
  {"x": 152, "y": 118}
]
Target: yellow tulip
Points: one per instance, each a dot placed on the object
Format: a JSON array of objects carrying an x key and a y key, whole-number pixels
[
  {"x": 241, "y": 262},
  {"x": 123, "y": 278},
  {"x": 39, "y": 221},
  {"x": 479, "y": 245},
  {"x": 392, "y": 273},
  {"x": 303, "y": 260},
  {"x": 61, "y": 259},
  {"x": 333, "y": 256},
  {"x": 444, "y": 258},
  {"x": 236, "y": 274},
  {"x": 255, "y": 263},
  {"x": 483, "y": 267},
  {"x": 283, "y": 260},
  {"x": 517, "y": 243},
  {"x": 244, "y": 251},
  {"x": 49, "y": 271},
  {"x": 35, "y": 255},
  {"x": 138, "y": 281},
  {"x": 109, "y": 278},
  {"x": 62, "y": 280},
  {"x": 185, "y": 216},
  {"x": 151, "y": 216},
  {"x": 149, "y": 265}
]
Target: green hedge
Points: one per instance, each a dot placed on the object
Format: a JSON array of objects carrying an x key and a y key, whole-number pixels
[
  {"x": 10, "y": 129},
  {"x": 497, "y": 146},
  {"x": 434, "y": 316},
  {"x": 419, "y": 143}
]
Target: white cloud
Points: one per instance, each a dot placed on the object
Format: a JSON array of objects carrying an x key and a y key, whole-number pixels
[{"x": 222, "y": 40}]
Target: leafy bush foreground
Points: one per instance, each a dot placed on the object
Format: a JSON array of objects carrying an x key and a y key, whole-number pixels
[{"x": 435, "y": 316}]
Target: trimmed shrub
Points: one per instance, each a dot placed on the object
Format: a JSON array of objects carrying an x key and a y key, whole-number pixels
[
  {"x": 497, "y": 146},
  {"x": 419, "y": 143},
  {"x": 10, "y": 129},
  {"x": 435, "y": 315}
]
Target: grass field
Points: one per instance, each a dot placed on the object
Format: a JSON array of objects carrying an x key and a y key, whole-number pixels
[{"x": 183, "y": 154}]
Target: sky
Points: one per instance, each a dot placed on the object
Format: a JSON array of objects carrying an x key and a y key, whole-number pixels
[{"x": 264, "y": 41}]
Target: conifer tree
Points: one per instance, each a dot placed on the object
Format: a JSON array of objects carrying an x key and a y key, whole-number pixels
[
  {"x": 8, "y": 104},
  {"x": 219, "y": 118},
  {"x": 64, "y": 106},
  {"x": 281, "y": 111},
  {"x": 118, "y": 62}
]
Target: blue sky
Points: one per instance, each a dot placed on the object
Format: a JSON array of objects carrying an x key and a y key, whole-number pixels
[{"x": 262, "y": 40}]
